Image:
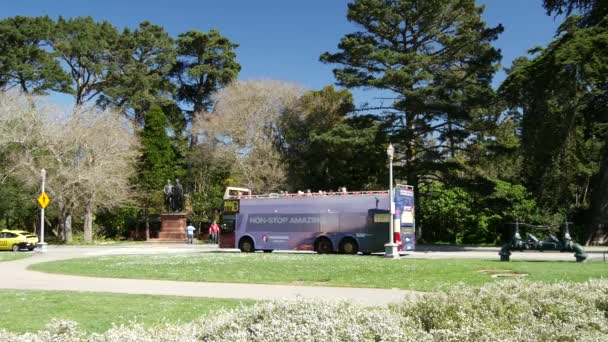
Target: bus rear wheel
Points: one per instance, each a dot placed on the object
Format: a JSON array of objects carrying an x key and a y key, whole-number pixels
[
  {"x": 246, "y": 245},
  {"x": 323, "y": 246},
  {"x": 349, "y": 246}
]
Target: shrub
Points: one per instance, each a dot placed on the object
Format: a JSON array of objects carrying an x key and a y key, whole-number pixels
[{"x": 501, "y": 311}]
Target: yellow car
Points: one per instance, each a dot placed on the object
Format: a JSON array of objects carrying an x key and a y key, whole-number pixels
[{"x": 17, "y": 239}]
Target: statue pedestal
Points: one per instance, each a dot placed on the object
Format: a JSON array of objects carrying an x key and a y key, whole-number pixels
[{"x": 172, "y": 227}]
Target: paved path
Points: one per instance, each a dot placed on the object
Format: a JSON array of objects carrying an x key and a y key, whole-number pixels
[
  {"x": 21, "y": 278},
  {"x": 16, "y": 276}
]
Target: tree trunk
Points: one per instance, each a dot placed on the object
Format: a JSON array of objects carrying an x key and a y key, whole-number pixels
[
  {"x": 62, "y": 216},
  {"x": 67, "y": 227},
  {"x": 88, "y": 221},
  {"x": 598, "y": 229},
  {"x": 147, "y": 227}
]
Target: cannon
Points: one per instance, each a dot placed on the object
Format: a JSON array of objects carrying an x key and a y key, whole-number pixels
[{"x": 549, "y": 243}]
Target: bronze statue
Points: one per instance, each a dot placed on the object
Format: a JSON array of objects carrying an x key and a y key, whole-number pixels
[
  {"x": 168, "y": 190},
  {"x": 178, "y": 197}
]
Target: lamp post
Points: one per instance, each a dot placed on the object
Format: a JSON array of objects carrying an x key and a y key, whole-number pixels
[{"x": 391, "y": 246}]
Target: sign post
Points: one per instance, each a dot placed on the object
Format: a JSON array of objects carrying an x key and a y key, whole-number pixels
[{"x": 43, "y": 200}]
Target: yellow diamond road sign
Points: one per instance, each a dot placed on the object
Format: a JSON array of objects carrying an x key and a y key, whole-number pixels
[{"x": 44, "y": 200}]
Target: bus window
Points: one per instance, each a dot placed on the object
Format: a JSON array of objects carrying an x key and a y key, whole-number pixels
[{"x": 228, "y": 224}]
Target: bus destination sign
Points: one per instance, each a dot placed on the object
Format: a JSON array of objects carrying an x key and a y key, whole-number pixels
[{"x": 231, "y": 207}]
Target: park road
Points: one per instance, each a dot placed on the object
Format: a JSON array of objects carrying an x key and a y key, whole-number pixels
[{"x": 17, "y": 276}]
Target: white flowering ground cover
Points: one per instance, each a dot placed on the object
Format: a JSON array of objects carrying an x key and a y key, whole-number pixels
[
  {"x": 323, "y": 270},
  {"x": 504, "y": 311}
]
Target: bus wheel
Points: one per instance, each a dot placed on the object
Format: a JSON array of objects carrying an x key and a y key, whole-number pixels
[
  {"x": 349, "y": 246},
  {"x": 246, "y": 245},
  {"x": 268, "y": 251},
  {"x": 323, "y": 246}
]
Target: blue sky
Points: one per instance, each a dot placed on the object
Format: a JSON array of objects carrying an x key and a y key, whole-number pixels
[{"x": 282, "y": 39}]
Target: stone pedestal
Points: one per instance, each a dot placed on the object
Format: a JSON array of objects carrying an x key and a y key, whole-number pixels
[{"x": 173, "y": 227}]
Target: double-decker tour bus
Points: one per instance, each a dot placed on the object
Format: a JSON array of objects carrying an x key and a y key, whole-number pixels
[{"x": 344, "y": 222}]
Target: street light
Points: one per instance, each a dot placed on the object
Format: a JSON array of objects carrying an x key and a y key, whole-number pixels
[{"x": 391, "y": 247}]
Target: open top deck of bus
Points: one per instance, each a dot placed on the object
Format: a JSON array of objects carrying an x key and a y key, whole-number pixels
[{"x": 244, "y": 193}]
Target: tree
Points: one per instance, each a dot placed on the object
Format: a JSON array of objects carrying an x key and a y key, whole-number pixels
[
  {"x": 138, "y": 76},
  {"x": 25, "y": 62},
  {"x": 593, "y": 10},
  {"x": 562, "y": 95},
  {"x": 104, "y": 158},
  {"x": 86, "y": 47},
  {"x": 156, "y": 163},
  {"x": 205, "y": 63},
  {"x": 323, "y": 147},
  {"x": 435, "y": 58},
  {"x": 207, "y": 176},
  {"x": 244, "y": 127}
]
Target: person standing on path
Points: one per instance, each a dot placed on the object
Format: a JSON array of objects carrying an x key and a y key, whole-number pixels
[
  {"x": 190, "y": 232},
  {"x": 214, "y": 229}
]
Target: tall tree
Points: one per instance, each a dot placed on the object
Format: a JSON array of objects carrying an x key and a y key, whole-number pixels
[
  {"x": 205, "y": 62},
  {"x": 139, "y": 73},
  {"x": 593, "y": 11},
  {"x": 25, "y": 62},
  {"x": 436, "y": 59},
  {"x": 244, "y": 127},
  {"x": 323, "y": 148},
  {"x": 86, "y": 48},
  {"x": 562, "y": 93},
  {"x": 156, "y": 164}
]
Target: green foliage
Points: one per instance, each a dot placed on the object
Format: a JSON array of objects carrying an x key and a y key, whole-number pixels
[
  {"x": 562, "y": 94},
  {"x": 17, "y": 205},
  {"x": 157, "y": 163},
  {"x": 205, "y": 62},
  {"x": 86, "y": 47},
  {"x": 460, "y": 215},
  {"x": 323, "y": 147},
  {"x": 24, "y": 61},
  {"x": 207, "y": 176},
  {"x": 138, "y": 77},
  {"x": 115, "y": 224}
]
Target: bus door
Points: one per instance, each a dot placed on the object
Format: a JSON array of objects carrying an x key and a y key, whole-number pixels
[
  {"x": 377, "y": 229},
  {"x": 227, "y": 228}
]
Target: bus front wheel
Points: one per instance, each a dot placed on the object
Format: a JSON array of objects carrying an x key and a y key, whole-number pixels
[
  {"x": 349, "y": 246},
  {"x": 246, "y": 245},
  {"x": 323, "y": 246}
]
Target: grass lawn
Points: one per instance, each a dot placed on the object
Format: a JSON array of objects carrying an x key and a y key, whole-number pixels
[
  {"x": 29, "y": 311},
  {"x": 323, "y": 270},
  {"x": 8, "y": 256}
]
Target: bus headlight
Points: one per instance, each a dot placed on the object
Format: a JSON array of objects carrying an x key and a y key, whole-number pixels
[{"x": 407, "y": 239}]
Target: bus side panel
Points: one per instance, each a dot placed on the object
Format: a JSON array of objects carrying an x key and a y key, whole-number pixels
[{"x": 295, "y": 223}]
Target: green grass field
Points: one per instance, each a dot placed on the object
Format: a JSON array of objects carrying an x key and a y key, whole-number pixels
[
  {"x": 8, "y": 256},
  {"x": 321, "y": 270},
  {"x": 29, "y": 311}
]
